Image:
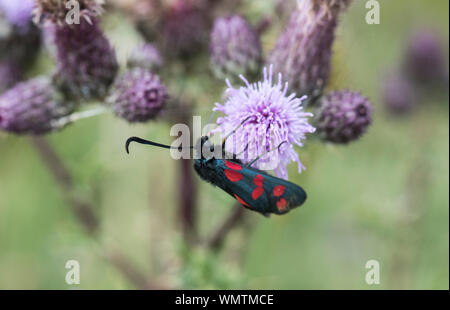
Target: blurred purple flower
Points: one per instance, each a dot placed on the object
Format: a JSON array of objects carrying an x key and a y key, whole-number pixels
[
  {"x": 343, "y": 116},
  {"x": 30, "y": 107},
  {"x": 145, "y": 56},
  {"x": 137, "y": 95},
  {"x": 303, "y": 51},
  {"x": 18, "y": 12},
  {"x": 425, "y": 61},
  {"x": 184, "y": 28},
  {"x": 398, "y": 94},
  {"x": 235, "y": 47},
  {"x": 275, "y": 117}
]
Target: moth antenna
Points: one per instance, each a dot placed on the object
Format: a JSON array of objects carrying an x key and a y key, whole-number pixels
[
  {"x": 257, "y": 158},
  {"x": 143, "y": 141}
]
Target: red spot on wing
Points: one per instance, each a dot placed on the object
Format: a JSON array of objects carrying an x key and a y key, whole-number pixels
[
  {"x": 258, "y": 180},
  {"x": 278, "y": 190},
  {"x": 281, "y": 204},
  {"x": 257, "y": 192},
  {"x": 233, "y": 176},
  {"x": 233, "y": 165},
  {"x": 241, "y": 201}
]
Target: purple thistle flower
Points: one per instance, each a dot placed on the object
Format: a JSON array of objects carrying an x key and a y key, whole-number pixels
[
  {"x": 303, "y": 51},
  {"x": 10, "y": 74},
  {"x": 425, "y": 61},
  {"x": 275, "y": 117},
  {"x": 31, "y": 107},
  {"x": 86, "y": 62},
  {"x": 137, "y": 95},
  {"x": 235, "y": 47},
  {"x": 18, "y": 13},
  {"x": 398, "y": 94},
  {"x": 343, "y": 116},
  {"x": 145, "y": 56}
]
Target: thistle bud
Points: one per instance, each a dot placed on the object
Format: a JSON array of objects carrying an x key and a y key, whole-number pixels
[
  {"x": 303, "y": 51},
  {"x": 137, "y": 96},
  {"x": 425, "y": 61},
  {"x": 86, "y": 62},
  {"x": 235, "y": 48},
  {"x": 343, "y": 116},
  {"x": 31, "y": 107},
  {"x": 145, "y": 56}
]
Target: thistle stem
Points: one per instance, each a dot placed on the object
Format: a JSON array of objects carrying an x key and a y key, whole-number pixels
[
  {"x": 64, "y": 121},
  {"x": 234, "y": 218},
  {"x": 121, "y": 263},
  {"x": 187, "y": 190},
  {"x": 84, "y": 211},
  {"x": 263, "y": 24},
  {"x": 188, "y": 193}
]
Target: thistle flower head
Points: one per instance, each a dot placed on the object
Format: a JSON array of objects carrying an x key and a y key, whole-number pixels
[
  {"x": 17, "y": 13},
  {"x": 303, "y": 51},
  {"x": 145, "y": 56},
  {"x": 137, "y": 96},
  {"x": 86, "y": 62},
  {"x": 234, "y": 47},
  {"x": 56, "y": 11},
  {"x": 272, "y": 117},
  {"x": 31, "y": 107},
  {"x": 343, "y": 116}
]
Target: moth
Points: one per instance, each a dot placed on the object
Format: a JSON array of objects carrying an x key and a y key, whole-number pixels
[{"x": 255, "y": 189}]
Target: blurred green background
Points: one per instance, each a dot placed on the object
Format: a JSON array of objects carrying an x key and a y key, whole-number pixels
[{"x": 385, "y": 197}]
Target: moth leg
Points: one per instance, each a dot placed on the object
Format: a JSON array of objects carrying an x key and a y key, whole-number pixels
[
  {"x": 235, "y": 156},
  {"x": 256, "y": 159}
]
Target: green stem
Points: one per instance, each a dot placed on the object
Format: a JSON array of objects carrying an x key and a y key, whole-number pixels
[{"x": 66, "y": 120}]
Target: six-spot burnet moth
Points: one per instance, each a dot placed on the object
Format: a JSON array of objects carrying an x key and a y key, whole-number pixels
[{"x": 253, "y": 188}]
